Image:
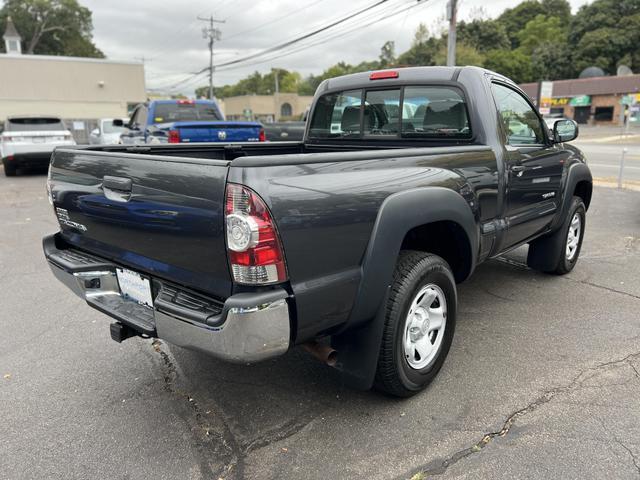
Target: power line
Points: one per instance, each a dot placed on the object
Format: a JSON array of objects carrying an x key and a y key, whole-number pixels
[
  {"x": 376, "y": 18},
  {"x": 337, "y": 35},
  {"x": 303, "y": 37},
  {"x": 279, "y": 19}
]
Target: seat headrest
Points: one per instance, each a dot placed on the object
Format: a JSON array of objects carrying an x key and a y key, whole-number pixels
[
  {"x": 350, "y": 119},
  {"x": 444, "y": 114}
]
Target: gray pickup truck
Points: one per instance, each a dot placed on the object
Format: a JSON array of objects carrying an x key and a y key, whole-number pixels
[{"x": 349, "y": 243}]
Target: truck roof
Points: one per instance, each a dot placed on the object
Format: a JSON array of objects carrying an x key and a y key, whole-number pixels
[{"x": 405, "y": 75}]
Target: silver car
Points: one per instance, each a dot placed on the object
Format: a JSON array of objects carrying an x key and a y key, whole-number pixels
[
  {"x": 106, "y": 133},
  {"x": 28, "y": 142}
]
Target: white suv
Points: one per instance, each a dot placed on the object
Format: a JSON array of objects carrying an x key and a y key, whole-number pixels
[{"x": 28, "y": 141}]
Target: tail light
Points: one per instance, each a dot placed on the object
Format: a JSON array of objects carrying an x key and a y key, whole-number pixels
[
  {"x": 262, "y": 137},
  {"x": 382, "y": 74},
  {"x": 174, "y": 136},
  {"x": 254, "y": 248}
]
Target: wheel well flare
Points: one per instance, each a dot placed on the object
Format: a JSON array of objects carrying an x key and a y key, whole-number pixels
[{"x": 446, "y": 239}]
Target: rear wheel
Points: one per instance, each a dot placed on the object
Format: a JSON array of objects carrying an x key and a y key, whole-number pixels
[{"x": 419, "y": 325}]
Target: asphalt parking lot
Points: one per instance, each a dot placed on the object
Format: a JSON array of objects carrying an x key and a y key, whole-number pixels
[{"x": 542, "y": 381}]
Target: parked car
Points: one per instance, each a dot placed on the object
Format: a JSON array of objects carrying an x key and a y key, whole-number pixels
[
  {"x": 185, "y": 121},
  {"x": 290, "y": 131},
  {"x": 27, "y": 142},
  {"x": 107, "y": 133},
  {"x": 349, "y": 243},
  {"x": 284, "y": 131}
]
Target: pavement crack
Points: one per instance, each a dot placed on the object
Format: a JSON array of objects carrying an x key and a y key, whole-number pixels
[
  {"x": 282, "y": 432},
  {"x": 495, "y": 295},
  {"x": 221, "y": 441},
  {"x": 439, "y": 466},
  {"x": 609, "y": 289},
  {"x": 204, "y": 433},
  {"x": 634, "y": 458}
]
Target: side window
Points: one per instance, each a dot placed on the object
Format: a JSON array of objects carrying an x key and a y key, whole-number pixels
[
  {"x": 337, "y": 115},
  {"x": 518, "y": 117},
  {"x": 382, "y": 112}
]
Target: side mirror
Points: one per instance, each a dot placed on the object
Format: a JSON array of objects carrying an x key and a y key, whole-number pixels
[
  {"x": 95, "y": 132},
  {"x": 565, "y": 130},
  {"x": 117, "y": 122}
]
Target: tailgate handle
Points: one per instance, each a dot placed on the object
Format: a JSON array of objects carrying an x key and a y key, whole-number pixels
[
  {"x": 117, "y": 188},
  {"x": 117, "y": 183}
]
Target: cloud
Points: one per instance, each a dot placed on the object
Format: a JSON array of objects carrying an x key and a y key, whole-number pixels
[{"x": 169, "y": 36}]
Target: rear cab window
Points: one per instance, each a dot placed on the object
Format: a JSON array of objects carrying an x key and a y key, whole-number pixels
[
  {"x": 186, "y": 111},
  {"x": 409, "y": 112},
  {"x": 32, "y": 124}
]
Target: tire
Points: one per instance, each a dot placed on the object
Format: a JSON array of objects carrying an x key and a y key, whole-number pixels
[
  {"x": 399, "y": 373},
  {"x": 551, "y": 254},
  {"x": 9, "y": 170}
]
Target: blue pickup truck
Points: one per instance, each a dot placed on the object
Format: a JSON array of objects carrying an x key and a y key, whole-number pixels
[{"x": 185, "y": 121}]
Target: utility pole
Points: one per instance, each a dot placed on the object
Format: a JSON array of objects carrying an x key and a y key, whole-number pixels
[
  {"x": 277, "y": 96},
  {"x": 452, "y": 8},
  {"x": 213, "y": 34}
]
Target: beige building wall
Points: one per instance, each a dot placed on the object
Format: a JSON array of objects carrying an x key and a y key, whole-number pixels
[
  {"x": 68, "y": 87},
  {"x": 265, "y": 108}
]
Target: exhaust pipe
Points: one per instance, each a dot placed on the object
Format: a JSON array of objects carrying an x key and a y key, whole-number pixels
[{"x": 322, "y": 352}]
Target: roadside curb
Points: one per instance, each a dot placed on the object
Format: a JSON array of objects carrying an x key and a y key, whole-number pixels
[
  {"x": 610, "y": 183},
  {"x": 612, "y": 138}
]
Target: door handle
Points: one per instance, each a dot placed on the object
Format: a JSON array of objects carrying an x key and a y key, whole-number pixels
[
  {"x": 117, "y": 188},
  {"x": 518, "y": 168}
]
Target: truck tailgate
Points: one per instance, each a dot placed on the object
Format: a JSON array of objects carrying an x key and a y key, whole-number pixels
[
  {"x": 159, "y": 215},
  {"x": 217, "y": 132}
]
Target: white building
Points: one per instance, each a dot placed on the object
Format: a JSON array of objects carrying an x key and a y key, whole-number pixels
[{"x": 66, "y": 87}]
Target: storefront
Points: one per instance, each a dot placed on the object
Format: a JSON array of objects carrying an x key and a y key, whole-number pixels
[{"x": 594, "y": 101}]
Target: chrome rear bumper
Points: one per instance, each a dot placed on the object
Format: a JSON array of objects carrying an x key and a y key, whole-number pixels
[{"x": 248, "y": 328}]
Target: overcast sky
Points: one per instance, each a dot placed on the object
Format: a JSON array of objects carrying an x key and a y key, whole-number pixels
[{"x": 169, "y": 36}]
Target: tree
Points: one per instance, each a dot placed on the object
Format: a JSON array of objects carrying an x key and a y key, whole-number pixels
[
  {"x": 483, "y": 35},
  {"x": 510, "y": 63},
  {"x": 552, "y": 61},
  {"x": 605, "y": 32},
  {"x": 52, "y": 27},
  {"x": 541, "y": 30},
  {"x": 515, "y": 19},
  {"x": 387, "y": 54},
  {"x": 424, "y": 49},
  {"x": 465, "y": 55}
]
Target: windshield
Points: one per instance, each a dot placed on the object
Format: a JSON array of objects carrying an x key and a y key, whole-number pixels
[
  {"x": 109, "y": 127},
  {"x": 408, "y": 112},
  {"x": 34, "y": 124},
  {"x": 185, "y": 112}
]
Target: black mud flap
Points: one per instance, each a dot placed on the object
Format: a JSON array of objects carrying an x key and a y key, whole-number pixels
[{"x": 358, "y": 350}]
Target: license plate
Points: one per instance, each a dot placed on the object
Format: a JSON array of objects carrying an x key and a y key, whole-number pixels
[{"x": 134, "y": 286}]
